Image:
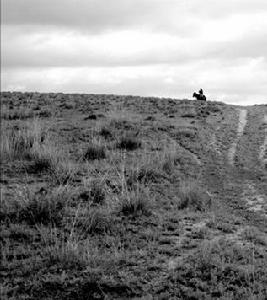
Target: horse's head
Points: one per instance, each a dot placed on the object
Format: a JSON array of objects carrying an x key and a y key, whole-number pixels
[{"x": 194, "y": 95}]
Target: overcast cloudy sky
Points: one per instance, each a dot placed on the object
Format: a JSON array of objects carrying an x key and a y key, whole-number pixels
[{"x": 166, "y": 48}]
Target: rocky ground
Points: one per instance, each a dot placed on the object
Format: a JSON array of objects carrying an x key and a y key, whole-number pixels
[{"x": 121, "y": 197}]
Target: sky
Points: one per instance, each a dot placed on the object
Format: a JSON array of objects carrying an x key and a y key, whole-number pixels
[{"x": 164, "y": 48}]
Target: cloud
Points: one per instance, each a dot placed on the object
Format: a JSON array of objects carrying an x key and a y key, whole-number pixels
[
  {"x": 181, "y": 17},
  {"x": 145, "y": 47},
  {"x": 110, "y": 49},
  {"x": 122, "y": 48},
  {"x": 95, "y": 16}
]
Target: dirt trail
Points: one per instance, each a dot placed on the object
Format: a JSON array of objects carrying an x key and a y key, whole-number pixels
[
  {"x": 263, "y": 148},
  {"x": 241, "y": 125}
]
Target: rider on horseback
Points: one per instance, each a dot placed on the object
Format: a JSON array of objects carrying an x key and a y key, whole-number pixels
[{"x": 200, "y": 95}]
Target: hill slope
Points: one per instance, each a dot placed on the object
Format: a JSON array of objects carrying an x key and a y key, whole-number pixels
[{"x": 121, "y": 197}]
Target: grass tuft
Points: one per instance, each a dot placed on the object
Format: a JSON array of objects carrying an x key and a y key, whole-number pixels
[
  {"x": 92, "y": 220},
  {"x": 191, "y": 195},
  {"x": 106, "y": 133},
  {"x": 17, "y": 144},
  {"x": 135, "y": 202},
  {"x": 38, "y": 208},
  {"x": 94, "y": 152},
  {"x": 129, "y": 143},
  {"x": 94, "y": 192},
  {"x": 145, "y": 175}
]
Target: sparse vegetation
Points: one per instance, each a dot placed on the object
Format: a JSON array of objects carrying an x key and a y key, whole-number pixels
[
  {"x": 253, "y": 235},
  {"x": 220, "y": 269}
]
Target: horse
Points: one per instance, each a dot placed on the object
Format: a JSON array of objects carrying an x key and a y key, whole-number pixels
[{"x": 199, "y": 97}]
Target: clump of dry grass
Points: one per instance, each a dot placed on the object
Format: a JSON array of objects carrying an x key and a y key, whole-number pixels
[
  {"x": 38, "y": 208},
  {"x": 17, "y": 144},
  {"x": 94, "y": 220},
  {"x": 156, "y": 169},
  {"x": 33, "y": 145},
  {"x": 94, "y": 191},
  {"x": 94, "y": 151},
  {"x": 146, "y": 175},
  {"x": 191, "y": 195},
  {"x": 135, "y": 202},
  {"x": 63, "y": 171},
  {"x": 106, "y": 133},
  {"x": 129, "y": 143}
]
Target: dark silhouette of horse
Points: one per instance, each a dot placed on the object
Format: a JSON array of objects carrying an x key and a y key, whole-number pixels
[{"x": 199, "y": 96}]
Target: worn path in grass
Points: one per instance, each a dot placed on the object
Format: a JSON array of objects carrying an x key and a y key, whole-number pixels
[
  {"x": 245, "y": 187},
  {"x": 240, "y": 129},
  {"x": 263, "y": 148},
  {"x": 235, "y": 181}
]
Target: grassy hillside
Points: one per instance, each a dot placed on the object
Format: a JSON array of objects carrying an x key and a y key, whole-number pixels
[{"x": 122, "y": 197}]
